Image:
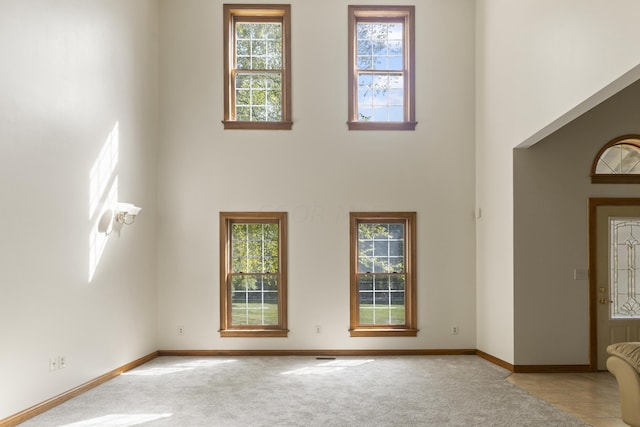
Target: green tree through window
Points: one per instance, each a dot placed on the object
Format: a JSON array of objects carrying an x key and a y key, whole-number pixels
[
  {"x": 383, "y": 296},
  {"x": 257, "y": 67},
  {"x": 253, "y": 274}
]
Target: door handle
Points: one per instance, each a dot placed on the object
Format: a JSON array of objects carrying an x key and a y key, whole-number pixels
[{"x": 604, "y": 301}]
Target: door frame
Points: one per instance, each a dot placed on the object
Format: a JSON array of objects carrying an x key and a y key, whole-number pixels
[{"x": 594, "y": 203}]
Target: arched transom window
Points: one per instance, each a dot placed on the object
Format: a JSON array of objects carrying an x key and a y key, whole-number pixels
[{"x": 618, "y": 161}]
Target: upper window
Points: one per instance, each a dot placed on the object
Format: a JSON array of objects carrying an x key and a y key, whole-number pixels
[
  {"x": 257, "y": 64},
  {"x": 383, "y": 274},
  {"x": 381, "y": 68},
  {"x": 253, "y": 278},
  {"x": 618, "y": 161}
]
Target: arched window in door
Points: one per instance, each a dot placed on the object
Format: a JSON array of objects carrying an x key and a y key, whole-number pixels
[{"x": 618, "y": 162}]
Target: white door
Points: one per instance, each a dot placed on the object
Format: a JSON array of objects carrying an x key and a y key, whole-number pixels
[{"x": 618, "y": 277}]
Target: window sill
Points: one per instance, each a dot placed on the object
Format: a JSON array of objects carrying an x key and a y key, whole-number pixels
[
  {"x": 383, "y": 332},
  {"x": 382, "y": 125},
  {"x": 232, "y": 124},
  {"x": 265, "y": 333}
]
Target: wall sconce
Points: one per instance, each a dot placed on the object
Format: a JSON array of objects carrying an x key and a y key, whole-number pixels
[{"x": 126, "y": 213}]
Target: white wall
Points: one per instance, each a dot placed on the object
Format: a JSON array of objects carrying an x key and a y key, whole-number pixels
[
  {"x": 318, "y": 172},
  {"x": 71, "y": 70},
  {"x": 536, "y": 61},
  {"x": 552, "y": 188}
]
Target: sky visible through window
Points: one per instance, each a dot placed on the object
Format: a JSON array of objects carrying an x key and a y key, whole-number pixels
[{"x": 380, "y": 70}]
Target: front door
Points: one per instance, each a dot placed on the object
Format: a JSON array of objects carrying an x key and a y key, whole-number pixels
[{"x": 617, "y": 275}]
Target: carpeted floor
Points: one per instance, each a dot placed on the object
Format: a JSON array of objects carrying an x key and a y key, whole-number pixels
[{"x": 305, "y": 391}]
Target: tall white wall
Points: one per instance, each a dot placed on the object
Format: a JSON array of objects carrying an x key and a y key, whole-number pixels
[
  {"x": 552, "y": 188},
  {"x": 76, "y": 76},
  {"x": 537, "y": 61},
  {"x": 318, "y": 172}
]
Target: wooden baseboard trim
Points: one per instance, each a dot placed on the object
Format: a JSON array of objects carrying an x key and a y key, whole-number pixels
[
  {"x": 535, "y": 369},
  {"x": 495, "y": 360},
  {"x": 391, "y": 352},
  {"x": 38, "y": 409}
]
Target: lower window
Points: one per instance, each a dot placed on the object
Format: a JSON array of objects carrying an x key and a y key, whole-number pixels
[
  {"x": 383, "y": 274},
  {"x": 253, "y": 280}
]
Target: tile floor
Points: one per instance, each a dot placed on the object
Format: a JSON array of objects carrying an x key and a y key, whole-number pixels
[{"x": 592, "y": 397}]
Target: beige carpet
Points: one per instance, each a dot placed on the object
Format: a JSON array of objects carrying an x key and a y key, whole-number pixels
[{"x": 305, "y": 391}]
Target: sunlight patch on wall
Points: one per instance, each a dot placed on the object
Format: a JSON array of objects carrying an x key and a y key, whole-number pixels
[
  {"x": 119, "y": 420},
  {"x": 103, "y": 195},
  {"x": 103, "y": 169}
]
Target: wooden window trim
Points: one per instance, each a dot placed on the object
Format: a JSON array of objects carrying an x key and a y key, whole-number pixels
[
  {"x": 600, "y": 178},
  {"x": 226, "y": 327},
  {"x": 383, "y": 13},
  {"x": 249, "y": 12},
  {"x": 410, "y": 328}
]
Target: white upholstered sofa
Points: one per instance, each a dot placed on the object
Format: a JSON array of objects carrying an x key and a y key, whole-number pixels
[{"x": 624, "y": 363}]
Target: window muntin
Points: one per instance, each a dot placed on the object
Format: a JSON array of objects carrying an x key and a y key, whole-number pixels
[
  {"x": 383, "y": 274},
  {"x": 257, "y": 67},
  {"x": 618, "y": 161},
  {"x": 381, "y": 68},
  {"x": 253, "y": 274}
]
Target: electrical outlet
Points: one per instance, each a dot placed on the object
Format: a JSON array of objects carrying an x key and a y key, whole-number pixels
[
  {"x": 180, "y": 330},
  {"x": 454, "y": 330},
  {"x": 317, "y": 329},
  {"x": 62, "y": 362},
  {"x": 53, "y": 364}
]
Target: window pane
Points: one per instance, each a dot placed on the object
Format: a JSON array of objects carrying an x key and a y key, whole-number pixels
[
  {"x": 365, "y": 62},
  {"x": 364, "y": 48},
  {"x": 254, "y": 300},
  {"x": 381, "y": 283},
  {"x": 240, "y": 284},
  {"x": 243, "y": 114},
  {"x": 258, "y": 46},
  {"x": 365, "y": 282},
  {"x": 252, "y": 248},
  {"x": 366, "y": 298},
  {"x": 394, "y": 63},
  {"x": 258, "y": 96},
  {"x": 380, "y": 248},
  {"x": 379, "y": 46},
  {"x": 396, "y": 264},
  {"x": 395, "y": 48},
  {"x": 624, "y": 262},
  {"x": 396, "y": 248},
  {"x": 243, "y": 49},
  {"x": 397, "y": 282},
  {"x": 396, "y": 114},
  {"x": 381, "y": 97},
  {"x": 396, "y": 231},
  {"x": 619, "y": 159},
  {"x": 385, "y": 305}
]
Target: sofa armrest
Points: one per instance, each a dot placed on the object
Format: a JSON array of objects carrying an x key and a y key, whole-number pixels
[{"x": 629, "y": 386}]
